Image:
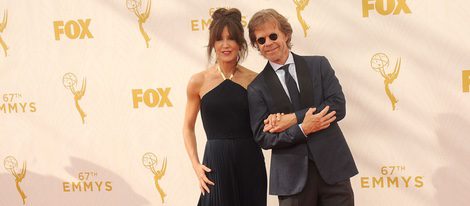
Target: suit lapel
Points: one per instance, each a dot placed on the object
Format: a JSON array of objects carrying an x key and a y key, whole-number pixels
[
  {"x": 281, "y": 102},
  {"x": 305, "y": 81}
]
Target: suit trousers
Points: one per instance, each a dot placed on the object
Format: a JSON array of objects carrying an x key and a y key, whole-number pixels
[{"x": 318, "y": 193}]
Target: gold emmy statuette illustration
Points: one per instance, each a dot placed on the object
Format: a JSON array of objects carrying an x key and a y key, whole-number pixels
[
  {"x": 300, "y": 6},
  {"x": 2, "y": 27},
  {"x": 70, "y": 82},
  {"x": 11, "y": 165},
  {"x": 380, "y": 63},
  {"x": 150, "y": 161},
  {"x": 135, "y": 7}
]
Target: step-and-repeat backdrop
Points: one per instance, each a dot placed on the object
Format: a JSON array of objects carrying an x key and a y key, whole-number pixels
[{"x": 93, "y": 94}]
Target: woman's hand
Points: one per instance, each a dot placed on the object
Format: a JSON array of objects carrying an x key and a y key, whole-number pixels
[
  {"x": 201, "y": 170},
  {"x": 279, "y": 122},
  {"x": 271, "y": 121}
]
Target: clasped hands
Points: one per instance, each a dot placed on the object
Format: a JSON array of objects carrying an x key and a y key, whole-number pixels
[{"x": 311, "y": 123}]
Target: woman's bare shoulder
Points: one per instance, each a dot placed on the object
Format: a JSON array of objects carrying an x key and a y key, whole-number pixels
[
  {"x": 248, "y": 73},
  {"x": 199, "y": 78}
]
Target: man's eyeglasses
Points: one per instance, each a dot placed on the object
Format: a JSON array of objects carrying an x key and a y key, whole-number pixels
[{"x": 262, "y": 40}]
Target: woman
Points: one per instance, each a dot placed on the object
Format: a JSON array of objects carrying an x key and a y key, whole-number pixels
[{"x": 232, "y": 172}]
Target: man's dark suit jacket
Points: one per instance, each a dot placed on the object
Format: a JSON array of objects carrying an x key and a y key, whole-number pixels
[{"x": 319, "y": 87}]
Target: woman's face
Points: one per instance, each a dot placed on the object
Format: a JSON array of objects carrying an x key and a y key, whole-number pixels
[{"x": 226, "y": 48}]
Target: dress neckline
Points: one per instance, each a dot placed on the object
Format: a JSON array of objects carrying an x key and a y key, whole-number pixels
[{"x": 221, "y": 83}]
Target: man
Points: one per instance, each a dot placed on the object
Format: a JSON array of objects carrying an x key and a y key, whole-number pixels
[{"x": 289, "y": 104}]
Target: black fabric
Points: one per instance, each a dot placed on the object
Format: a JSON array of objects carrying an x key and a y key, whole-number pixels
[
  {"x": 294, "y": 96},
  {"x": 318, "y": 193},
  {"x": 319, "y": 88},
  {"x": 291, "y": 87},
  {"x": 236, "y": 161}
]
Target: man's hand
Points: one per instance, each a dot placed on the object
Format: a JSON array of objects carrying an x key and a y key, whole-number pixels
[
  {"x": 316, "y": 122},
  {"x": 279, "y": 122}
]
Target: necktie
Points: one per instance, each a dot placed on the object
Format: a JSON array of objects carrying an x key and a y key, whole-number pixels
[
  {"x": 292, "y": 88},
  {"x": 294, "y": 96}
]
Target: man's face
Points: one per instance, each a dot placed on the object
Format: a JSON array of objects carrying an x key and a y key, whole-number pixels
[{"x": 272, "y": 43}]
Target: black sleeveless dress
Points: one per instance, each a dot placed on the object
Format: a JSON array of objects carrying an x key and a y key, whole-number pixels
[{"x": 236, "y": 161}]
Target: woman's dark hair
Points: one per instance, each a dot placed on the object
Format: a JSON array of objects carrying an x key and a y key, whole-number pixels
[{"x": 230, "y": 18}]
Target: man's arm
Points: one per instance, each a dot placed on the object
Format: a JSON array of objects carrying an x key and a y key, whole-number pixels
[
  {"x": 332, "y": 93},
  {"x": 258, "y": 113},
  {"x": 333, "y": 97}
]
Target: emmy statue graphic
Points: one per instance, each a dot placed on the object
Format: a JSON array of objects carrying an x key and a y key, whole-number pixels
[
  {"x": 2, "y": 27},
  {"x": 135, "y": 6},
  {"x": 379, "y": 63},
  {"x": 150, "y": 161},
  {"x": 11, "y": 164},
  {"x": 300, "y": 6},
  {"x": 70, "y": 82}
]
